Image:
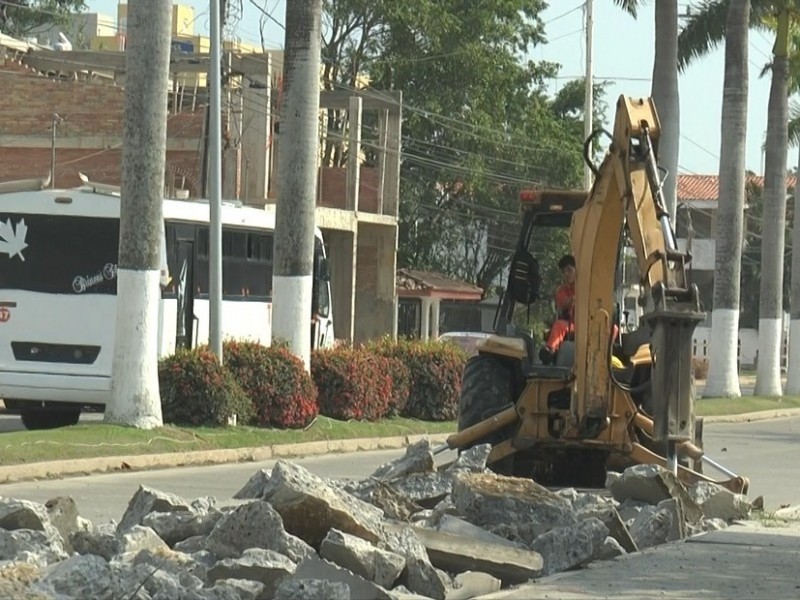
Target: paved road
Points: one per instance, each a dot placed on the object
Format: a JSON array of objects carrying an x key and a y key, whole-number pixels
[
  {"x": 12, "y": 422},
  {"x": 765, "y": 451}
]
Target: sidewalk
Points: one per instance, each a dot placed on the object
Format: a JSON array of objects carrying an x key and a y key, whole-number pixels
[{"x": 746, "y": 560}]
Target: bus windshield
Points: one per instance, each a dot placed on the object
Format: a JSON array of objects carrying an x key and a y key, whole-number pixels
[{"x": 59, "y": 254}]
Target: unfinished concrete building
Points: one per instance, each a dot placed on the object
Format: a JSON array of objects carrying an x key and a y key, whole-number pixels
[{"x": 81, "y": 95}]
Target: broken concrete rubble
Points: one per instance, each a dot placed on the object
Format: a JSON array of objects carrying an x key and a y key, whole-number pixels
[{"x": 290, "y": 534}]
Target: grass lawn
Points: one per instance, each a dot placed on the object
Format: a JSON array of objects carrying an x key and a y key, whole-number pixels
[
  {"x": 91, "y": 440},
  {"x": 706, "y": 407}
]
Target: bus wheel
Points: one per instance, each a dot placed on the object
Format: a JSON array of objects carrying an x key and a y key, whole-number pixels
[{"x": 50, "y": 418}]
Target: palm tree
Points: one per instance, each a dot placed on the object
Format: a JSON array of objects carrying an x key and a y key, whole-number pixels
[
  {"x": 770, "y": 317},
  {"x": 793, "y": 374},
  {"x": 701, "y": 33},
  {"x": 664, "y": 91}
]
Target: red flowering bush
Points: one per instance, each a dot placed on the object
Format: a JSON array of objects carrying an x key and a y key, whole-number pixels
[
  {"x": 353, "y": 383},
  {"x": 197, "y": 390},
  {"x": 435, "y": 370},
  {"x": 399, "y": 372},
  {"x": 281, "y": 391}
]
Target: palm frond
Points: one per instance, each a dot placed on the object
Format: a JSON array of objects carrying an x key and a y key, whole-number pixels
[
  {"x": 703, "y": 31},
  {"x": 629, "y": 6}
]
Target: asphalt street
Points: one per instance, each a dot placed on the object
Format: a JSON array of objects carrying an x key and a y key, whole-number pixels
[{"x": 764, "y": 451}]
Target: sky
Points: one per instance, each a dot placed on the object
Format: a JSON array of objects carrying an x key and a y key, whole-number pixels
[{"x": 623, "y": 56}]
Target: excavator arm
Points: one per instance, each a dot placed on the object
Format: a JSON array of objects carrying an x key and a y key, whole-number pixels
[{"x": 627, "y": 190}]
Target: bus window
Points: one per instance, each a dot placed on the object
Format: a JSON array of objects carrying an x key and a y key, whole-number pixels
[{"x": 62, "y": 254}]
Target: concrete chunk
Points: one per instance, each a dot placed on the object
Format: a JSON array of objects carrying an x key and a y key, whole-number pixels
[
  {"x": 79, "y": 577},
  {"x": 139, "y": 538},
  {"x": 254, "y": 525},
  {"x": 309, "y": 507},
  {"x": 566, "y": 547},
  {"x": 652, "y": 484},
  {"x": 254, "y": 488},
  {"x": 652, "y": 526},
  {"x": 362, "y": 558},
  {"x": 310, "y": 589},
  {"x": 425, "y": 579},
  {"x": 471, "y": 584},
  {"x": 360, "y": 588},
  {"x": 174, "y": 527},
  {"x": 716, "y": 502},
  {"x": 517, "y": 509},
  {"x": 22, "y": 514},
  {"x": 456, "y": 526},
  {"x": 456, "y": 554},
  {"x": 255, "y": 564},
  {"x": 147, "y": 500},
  {"x": 417, "y": 459}
]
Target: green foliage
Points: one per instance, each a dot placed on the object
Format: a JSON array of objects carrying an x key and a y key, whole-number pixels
[
  {"x": 19, "y": 17},
  {"x": 352, "y": 382},
  {"x": 435, "y": 385},
  {"x": 282, "y": 393},
  {"x": 751, "y": 255},
  {"x": 478, "y": 124},
  {"x": 197, "y": 390},
  {"x": 399, "y": 372}
]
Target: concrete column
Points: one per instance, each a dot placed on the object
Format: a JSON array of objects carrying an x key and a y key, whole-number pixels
[
  {"x": 343, "y": 253},
  {"x": 353, "y": 153},
  {"x": 425, "y": 319},
  {"x": 256, "y": 136},
  {"x": 383, "y": 119},
  {"x": 232, "y": 155},
  {"x": 391, "y": 186},
  {"x": 435, "y": 318}
]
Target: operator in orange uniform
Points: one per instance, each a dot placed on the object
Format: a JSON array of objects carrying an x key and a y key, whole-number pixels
[{"x": 565, "y": 310}]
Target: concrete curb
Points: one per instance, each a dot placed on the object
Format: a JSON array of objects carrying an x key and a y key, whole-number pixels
[
  {"x": 762, "y": 415},
  {"x": 105, "y": 464}
]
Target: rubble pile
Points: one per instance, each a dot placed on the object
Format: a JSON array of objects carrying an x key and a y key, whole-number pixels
[{"x": 411, "y": 530}]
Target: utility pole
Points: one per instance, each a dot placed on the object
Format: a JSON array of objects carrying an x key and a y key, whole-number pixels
[
  {"x": 588, "y": 102},
  {"x": 297, "y": 169},
  {"x": 215, "y": 187},
  {"x": 56, "y": 120},
  {"x": 135, "y": 398}
]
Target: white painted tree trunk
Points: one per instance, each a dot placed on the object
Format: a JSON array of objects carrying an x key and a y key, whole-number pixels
[
  {"x": 723, "y": 373},
  {"x": 768, "y": 373},
  {"x": 293, "y": 313},
  {"x": 135, "y": 398},
  {"x": 135, "y": 384},
  {"x": 793, "y": 366},
  {"x": 297, "y": 178},
  {"x": 770, "y": 306}
]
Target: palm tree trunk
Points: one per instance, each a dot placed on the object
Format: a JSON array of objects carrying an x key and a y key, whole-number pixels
[
  {"x": 665, "y": 93},
  {"x": 297, "y": 169},
  {"x": 770, "y": 308},
  {"x": 135, "y": 398},
  {"x": 723, "y": 376},
  {"x": 793, "y": 373}
]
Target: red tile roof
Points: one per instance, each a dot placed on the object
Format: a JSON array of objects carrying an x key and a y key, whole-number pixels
[
  {"x": 426, "y": 283},
  {"x": 706, "y": 187}
]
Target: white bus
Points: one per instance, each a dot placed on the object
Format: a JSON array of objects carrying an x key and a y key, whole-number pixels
[{"x": 58, "y": 257}]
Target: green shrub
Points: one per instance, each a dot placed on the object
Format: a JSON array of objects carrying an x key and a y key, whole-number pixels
[
  {"x": 282, "y": 393},
  {"x": 435, "y": 370},
  {"x": 352, "y": 383},
  {"x": 399, "y": 372},
  {"x": 197, "y": 390}
]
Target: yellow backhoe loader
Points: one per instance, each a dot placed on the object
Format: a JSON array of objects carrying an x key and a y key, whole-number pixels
[{"x": 567, "y": 422}]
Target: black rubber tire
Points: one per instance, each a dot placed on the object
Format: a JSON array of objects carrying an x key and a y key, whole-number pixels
[
  {"x": 49, "y": 418},
  {"x": 486, "y": 389}
]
